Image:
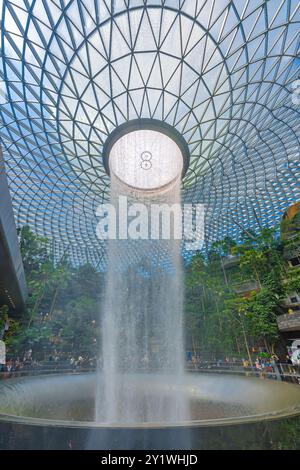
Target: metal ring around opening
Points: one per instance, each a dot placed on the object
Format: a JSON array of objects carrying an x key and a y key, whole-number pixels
[{"x": 146, "y": 124}]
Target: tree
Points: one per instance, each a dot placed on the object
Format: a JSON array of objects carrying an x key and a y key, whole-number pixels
[
  {"x": 34, "y": 250},
  {"x": 62, "y": 310},
  {"x": 230, "y": 321},
  {"x": 261, "y": 312}
]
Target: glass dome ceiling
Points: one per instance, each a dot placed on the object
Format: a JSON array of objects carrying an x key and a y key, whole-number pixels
[{"x": 221, "y": 72}]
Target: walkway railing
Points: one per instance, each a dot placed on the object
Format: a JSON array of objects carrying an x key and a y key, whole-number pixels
[
  {"x": 45, "y": 370},
  {"x": 283, "y": 372}
]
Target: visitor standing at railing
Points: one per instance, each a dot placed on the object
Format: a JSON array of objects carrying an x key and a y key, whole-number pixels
[{"x": 296, "y": 356}]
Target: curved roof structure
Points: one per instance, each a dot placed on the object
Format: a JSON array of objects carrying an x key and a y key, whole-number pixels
[{"x": 223, "y": 73}]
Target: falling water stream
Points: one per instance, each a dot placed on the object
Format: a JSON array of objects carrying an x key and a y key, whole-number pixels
[{"x": 142, "y": 328}]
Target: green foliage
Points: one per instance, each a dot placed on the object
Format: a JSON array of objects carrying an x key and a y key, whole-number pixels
[
  {"x": 3, "y": 316},
  {"x": 293, "y": 283},
  {"x": 261, "y": 313},
  {"x": 62, "y": 310},
  {"x": 286, "y": 434},
  {"x": 34, "y": 250},
  {"x": 229, "y": 321},
  {"x": 36, "y": 337},
  {"x": 224, "y": 247}
]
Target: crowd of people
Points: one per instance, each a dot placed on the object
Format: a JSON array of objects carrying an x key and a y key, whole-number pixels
[
  {"x": 17, "y": 366},
  {"x": 264, "y": 365}
]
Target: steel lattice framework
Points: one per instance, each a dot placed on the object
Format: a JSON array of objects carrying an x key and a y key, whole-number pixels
[{"x": 222, "y": 72}]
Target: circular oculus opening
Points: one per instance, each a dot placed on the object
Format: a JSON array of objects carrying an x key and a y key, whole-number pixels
[
  {"x": 146, "y": 155},
  {"x": 146, "y": 160}
]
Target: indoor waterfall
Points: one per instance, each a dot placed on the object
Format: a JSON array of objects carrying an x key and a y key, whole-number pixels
[{"x": 142, "y": 328}]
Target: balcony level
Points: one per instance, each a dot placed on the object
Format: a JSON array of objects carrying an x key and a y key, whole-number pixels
[
  {"x": 289, "y": 322},
  {"x": 247, "y": 287}
]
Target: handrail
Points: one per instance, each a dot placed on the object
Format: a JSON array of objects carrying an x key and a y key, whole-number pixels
[{"x": 285, "y": 372}]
